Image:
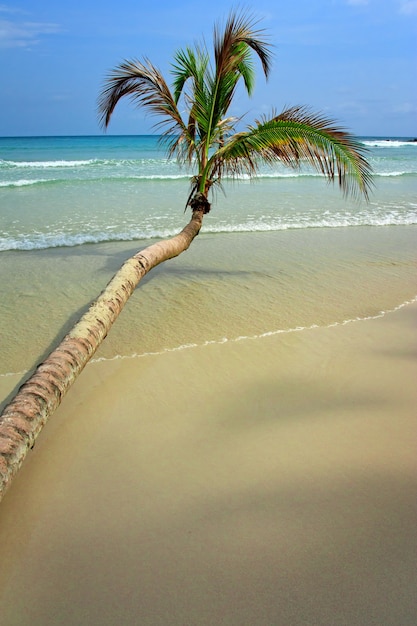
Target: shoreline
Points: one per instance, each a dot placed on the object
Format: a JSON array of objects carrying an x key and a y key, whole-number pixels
[
  {"x": 262, "y": 481},
  {"x": 231, "y": 285},
  {"x": 190, "y": 346}
]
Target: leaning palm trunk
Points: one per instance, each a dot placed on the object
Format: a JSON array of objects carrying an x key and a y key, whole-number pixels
[
  {"x": 205, "y": 138},
  {"x": 37, "y": 399}
]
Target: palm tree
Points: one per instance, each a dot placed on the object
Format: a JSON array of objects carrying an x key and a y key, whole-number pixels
[{"x": 205, "y": 137}]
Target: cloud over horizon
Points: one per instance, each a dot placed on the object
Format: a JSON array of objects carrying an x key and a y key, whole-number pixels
[{"x": 21, "y": 32}]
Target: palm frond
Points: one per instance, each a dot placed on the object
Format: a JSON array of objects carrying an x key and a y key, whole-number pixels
[
  {"x": 232, "y": 42},
  {"x": 145, "y": 85},
  {"x": 205, "y": 134},
  {"x": 233, "y": 46},
  {"x": 295, "y": 137},
  {"x": 189, "y": 64}
]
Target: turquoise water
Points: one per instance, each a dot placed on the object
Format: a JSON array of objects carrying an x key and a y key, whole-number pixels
[
  {"x": 286, "y": 251},
  {"x": 65, "y": 191}
]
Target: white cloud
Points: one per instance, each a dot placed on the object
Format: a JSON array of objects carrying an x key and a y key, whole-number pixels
[
  {"x": 408, "y": 7},
  {"x": 20, "y": 33},
  {"x": 7, "y": 9},
  {"x": 405, "y": 108},
  {"x": 405, "y": 7}
]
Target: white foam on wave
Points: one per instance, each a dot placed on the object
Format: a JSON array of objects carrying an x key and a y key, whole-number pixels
[
  {"x": 41, "y": 241},
  {"x": 289, "y": 173},
  {"x": 46, "y": 164},
  {"x": 158, "y": 177},
  {"x": 392, "y": 217},
  {"x": 23, "y": 182},
  {"x": 182, "y": 176},
  {"x": 395, "y": 173},
  {"x": 44, "y": 242},
  {"x": 388, "y": 143}
]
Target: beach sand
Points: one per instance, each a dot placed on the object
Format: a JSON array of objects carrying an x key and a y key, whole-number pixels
[{"x": 266, "y": 481}]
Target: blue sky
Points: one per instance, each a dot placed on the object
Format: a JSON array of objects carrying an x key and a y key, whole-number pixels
[{"x": 354, "y": 60}]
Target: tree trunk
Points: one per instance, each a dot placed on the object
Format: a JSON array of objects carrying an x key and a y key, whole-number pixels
[{"x": 36, "y": 400}]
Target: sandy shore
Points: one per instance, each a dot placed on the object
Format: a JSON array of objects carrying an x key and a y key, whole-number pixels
[{"x": 262, "y": 482}]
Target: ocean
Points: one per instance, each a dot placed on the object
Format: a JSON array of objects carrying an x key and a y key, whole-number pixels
[
  {"x": 283, "y": 252},
  {"x": 67, "y": 191}
]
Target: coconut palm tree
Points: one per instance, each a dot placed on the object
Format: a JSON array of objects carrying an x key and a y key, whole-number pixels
[
  {"x": 195, "y": 124},
  {"x": 205, "y": 136}
]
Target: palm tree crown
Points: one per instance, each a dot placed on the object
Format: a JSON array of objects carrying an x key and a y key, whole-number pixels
[{"x": 205, "y": 135}]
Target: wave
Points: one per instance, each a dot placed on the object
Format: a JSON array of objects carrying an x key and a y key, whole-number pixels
[
  {"x": 45, "y": 242},
  {"x": 389, "y": 143},
  {"x": 395, "y": 173},
  {"x": 39, "y": 241},
  {"x": 47, "y": 164},
  {"x": 23, "y": 182},
  {"x": 118, "y": 179},
  {"x": 85, "y": 181},
  {"x": 337, "y": 222},
  {"x": 63, "y": 163}
]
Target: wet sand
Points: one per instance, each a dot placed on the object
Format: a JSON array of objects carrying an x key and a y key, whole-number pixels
[
  {"x": 267, "y": 481},
  {"x": 228, "y": 285}
]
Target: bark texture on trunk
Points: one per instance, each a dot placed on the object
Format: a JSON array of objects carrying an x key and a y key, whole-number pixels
[{"x": 36, "y": 400}]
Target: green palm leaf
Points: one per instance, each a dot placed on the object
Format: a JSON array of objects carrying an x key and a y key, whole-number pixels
[
  {"x": 296, "y": 137},
  {"x": 205, "y": 135},
  {"x": 146, "y": 86}
]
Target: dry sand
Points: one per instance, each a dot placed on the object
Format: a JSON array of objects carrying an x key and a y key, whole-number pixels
[{"x": 261, "y": 482}]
